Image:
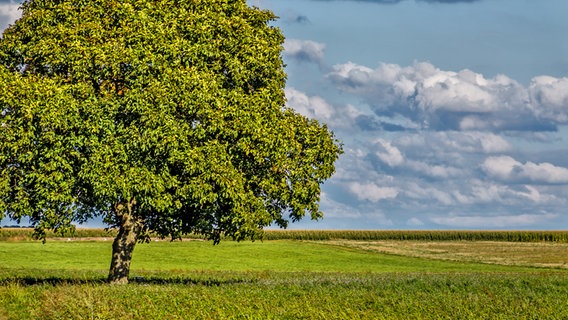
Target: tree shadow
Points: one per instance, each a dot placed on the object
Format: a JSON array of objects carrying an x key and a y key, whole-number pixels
[
  {"x": 208, "y": 282},
  {"x": 136, "y": 280},
  {"x": 54, "y": 281}
]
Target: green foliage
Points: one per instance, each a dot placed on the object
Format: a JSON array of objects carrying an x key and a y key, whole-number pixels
[{"x": 176, "y": 114}]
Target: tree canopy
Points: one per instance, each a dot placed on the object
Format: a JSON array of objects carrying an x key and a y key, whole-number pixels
[{"x": 164, "y": 116}]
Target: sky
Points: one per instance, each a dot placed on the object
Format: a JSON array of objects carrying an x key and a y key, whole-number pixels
[{"x": 453, "y": 114}]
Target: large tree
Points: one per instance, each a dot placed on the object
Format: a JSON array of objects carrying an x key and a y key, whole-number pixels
[{"x": 160, "y": 116}]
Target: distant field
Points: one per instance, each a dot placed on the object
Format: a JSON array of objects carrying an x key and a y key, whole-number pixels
[
  {"x": 287, "y": 279},
  {"x": 19, "y": 234},
  {"x": 535, "y": 254}
]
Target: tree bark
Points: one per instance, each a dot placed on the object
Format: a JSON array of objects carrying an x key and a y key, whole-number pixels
[{"x": 124, "y": 243}]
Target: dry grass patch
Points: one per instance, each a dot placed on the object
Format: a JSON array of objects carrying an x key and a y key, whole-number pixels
[{"x": 532, "y": 254}]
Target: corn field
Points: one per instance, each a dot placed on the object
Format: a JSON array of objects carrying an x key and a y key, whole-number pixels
[
  {"x": 18, "y": 234},
  {"x": 419, "y": 235}
]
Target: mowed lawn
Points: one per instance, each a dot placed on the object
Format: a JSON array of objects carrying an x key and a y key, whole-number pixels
[{"x": 282, "y": 279}]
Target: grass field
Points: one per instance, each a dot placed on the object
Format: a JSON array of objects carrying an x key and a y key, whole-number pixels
[{"x": 287, "y": 279}]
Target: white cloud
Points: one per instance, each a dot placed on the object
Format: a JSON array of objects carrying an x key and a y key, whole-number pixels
[
  {"x": 424, "y": 192},
  {"x": 312, "y": 107},
  {"x": 423, "y": 139},
  {"x": 427, "y": 87},
  {"x": 388, "y": 153},
  {"x": 435, "y": 171},
  {"x": 464, "y": 100},
  {"x": 500, "y": 167},
  {"x": 489, "y": 142},
  {"x": 464, "y": 91},
  {"x": 440, "y": 155},
  {"x": 533, "y": 194},
  {"x": 455, "y": 141},
  {"x": 305, "y": 50},
  {"x": 316, "y": 107},
  {"x": 477, "y": 192},
  {"x": 549, "y": 96},
  {"x": 508, "y": 169},
  {"x": 371, "y": 192},
  {"x": 394, "y": 158},
  {"x": 470, "y": 141}
]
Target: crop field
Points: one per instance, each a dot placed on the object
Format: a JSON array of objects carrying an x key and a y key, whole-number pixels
[
  {"x": 287, "y": 279},
  {"x": 19, "y": 234}
]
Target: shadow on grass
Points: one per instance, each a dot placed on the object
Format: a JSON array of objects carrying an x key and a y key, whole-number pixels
[
  {"x": 211, "y": 282},
  {"x": 151, "y": 280},
  {"x": 54, "y": 281}
]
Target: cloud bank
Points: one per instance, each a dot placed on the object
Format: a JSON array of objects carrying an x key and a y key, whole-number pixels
[
  {"x": 455, "y": 148},
  {"x": 510, "y": 170},
  {"x": 446, "y": 100}
]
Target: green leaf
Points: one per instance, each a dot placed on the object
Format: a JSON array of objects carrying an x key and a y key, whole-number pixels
[{"x": 179, "y": 113}]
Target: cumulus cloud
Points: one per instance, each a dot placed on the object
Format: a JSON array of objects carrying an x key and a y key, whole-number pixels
[
  {"x": 420, "y": 185},
  {"x": 437, "y": 147},
  {"x": 436, "y": 155},
  {"x": 508, "y": 169},
  {"x": 316, "y": 107},
  {"x": 436, "y": 99},
  {"x": 388, "y": 154},
  {"x": 549, "y": 97},
  {"x": 371, "y": 192},
  {"x": 494, "y": 194},
  {"x": 415, "y": 191},
  {"x": 305, "y": 50},
  {"x": 457, "y": 142},
  {"x": 434, "y": 171},
  {"x": 475, "y": 141},
  {"x": 391, "y": 156}
]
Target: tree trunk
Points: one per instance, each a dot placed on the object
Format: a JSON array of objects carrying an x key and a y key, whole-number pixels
[{"x": 124, "y": 243}]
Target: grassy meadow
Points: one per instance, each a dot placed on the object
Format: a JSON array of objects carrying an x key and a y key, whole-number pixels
[{"x": 287, "y": 279}]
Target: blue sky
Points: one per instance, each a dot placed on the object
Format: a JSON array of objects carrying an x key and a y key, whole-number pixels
[{"x": 453, "y": 114}]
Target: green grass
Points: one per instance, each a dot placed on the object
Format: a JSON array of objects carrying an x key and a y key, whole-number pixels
[
  {"x": 304, "y": 296},
  {"x": 280, "y": 256},
  {"x": 267, "y": 280}
]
